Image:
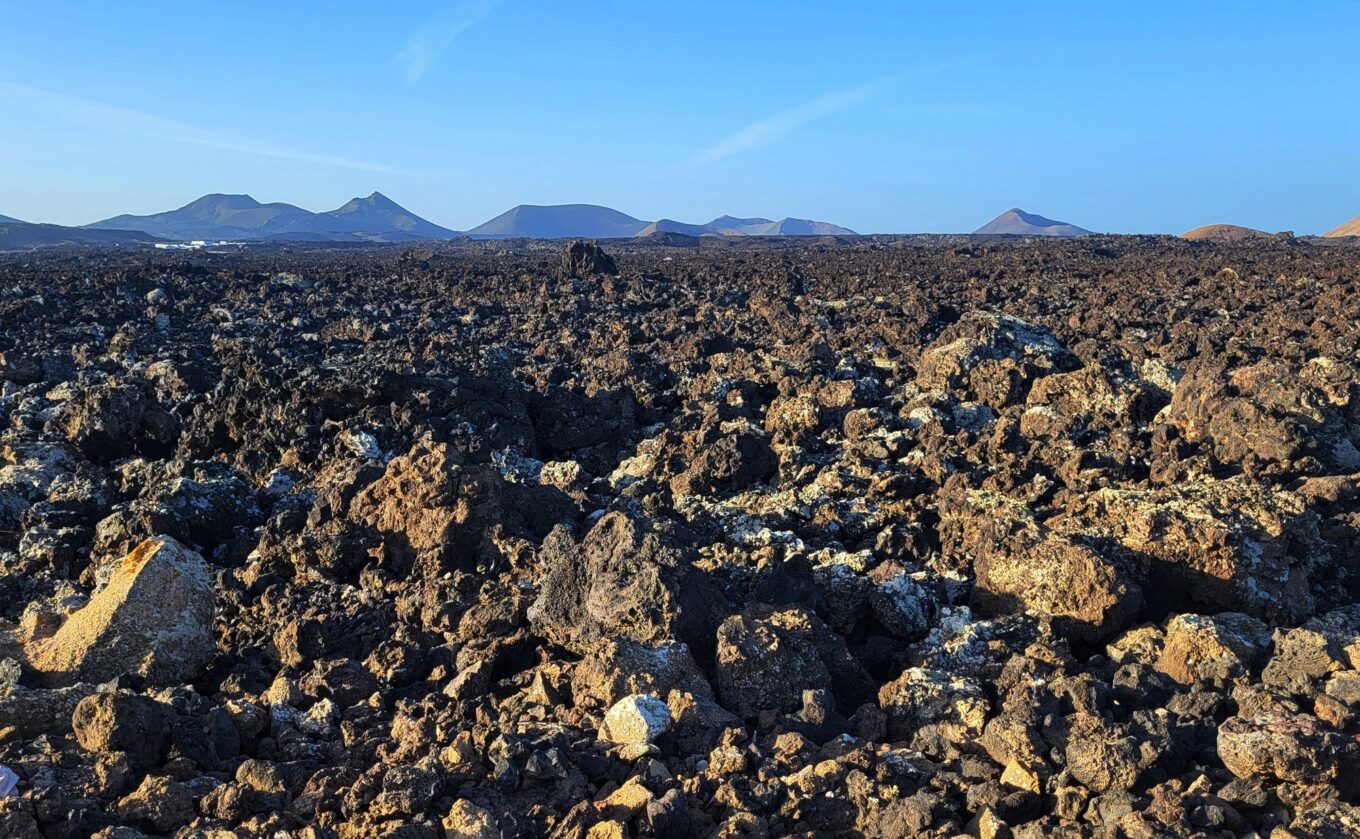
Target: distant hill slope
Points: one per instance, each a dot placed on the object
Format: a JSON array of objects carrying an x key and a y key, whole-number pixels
[
  {"x": 11, "y": 220},
  {"x": 559, "y": 221},
  {"x": 375, "y": 218},
  {"x": 1017, "y": 222},
  {"x": 1224, "y": 233},
  {"x": 794, "y": 227},
  {"x": 594, "y": 222},
  {"x": 20, "y": 236},
  {"x": 1350, "y": 228},
  {"x": 736, "y": 224},
  {"x": 379, "y": 214},
  {"x": 666, "y": 225}
]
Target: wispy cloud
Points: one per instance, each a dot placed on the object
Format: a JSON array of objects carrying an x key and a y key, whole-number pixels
[
  {"x": 436, "y": 36},
  {"x": 768, "y": 130},
  {"x": 113, "y": 119}
]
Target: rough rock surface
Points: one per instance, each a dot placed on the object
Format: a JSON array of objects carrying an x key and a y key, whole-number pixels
[
  {"x": 626, "y": 579},
  {"x": 636, "y": 720},
  {"x": 585, "y": 259},
  {"x": 891, "y": 536},
  {"x": 153, "y": 619}
]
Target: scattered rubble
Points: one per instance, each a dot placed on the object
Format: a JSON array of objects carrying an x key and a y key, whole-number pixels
[{"x": 910, "y": 536}]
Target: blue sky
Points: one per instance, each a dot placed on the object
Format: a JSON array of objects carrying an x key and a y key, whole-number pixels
[{"x": 1127, "y": 117}]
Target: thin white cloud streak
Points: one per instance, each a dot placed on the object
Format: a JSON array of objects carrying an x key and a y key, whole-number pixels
[
  {"x": 770, "y": 129},
  {"x": 434, "y": 38},
  {"x": 113, "y": 119},
  {"x": 773, "y": 128}
]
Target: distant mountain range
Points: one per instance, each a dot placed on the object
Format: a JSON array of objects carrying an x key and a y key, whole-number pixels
[
  {"x": 561, "y": 221},
  {"x": 240, "y": 217},
  {"x": 378, "y": 218},
  {"x": 1017, "y": 222},
  {"x": 22, "y": 236}
]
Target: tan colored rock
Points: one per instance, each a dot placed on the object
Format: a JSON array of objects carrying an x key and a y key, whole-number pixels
[
  {"x": 617, "y": 667},
  {"x": 421, "y": 503},
  {"x": 1221, "y": 545},
  {"x": 1017, "y": 775},
  {"x": 159, "y": 802},
  {"x": 261, "y": 775},
  {"x": 921, "y": 697},
  {"x": 469, "y": 821},
  {"x": 607, "y": 830},
  {"x": 625, "y": 802},
  {"x": 1085, "y": 594},
  {"x": 1142, "y": 644},
  {"x": 1289, "y": 747},
  {"x": 1218, "y": 649},
  {"x": 1022, "y": 565},
  {"x": 154, "y": 619}
]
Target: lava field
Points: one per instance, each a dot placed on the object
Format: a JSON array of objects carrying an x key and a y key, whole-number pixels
[{"x": 861, "y": 537}]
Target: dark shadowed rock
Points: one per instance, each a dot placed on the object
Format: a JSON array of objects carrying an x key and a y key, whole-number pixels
[
  {"x": 626, "y": 578},
  {"x": 586, "y": 259},
  {"x": 767, "y": 658},
  {"x": 122, "y": 722}
]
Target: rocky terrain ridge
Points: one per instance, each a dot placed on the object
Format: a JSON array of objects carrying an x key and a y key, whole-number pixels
[{"x": 741, "y": 539}]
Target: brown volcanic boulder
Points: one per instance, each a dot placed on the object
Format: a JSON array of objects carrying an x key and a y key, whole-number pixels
[
  {"x": 1270, "y": 413},
  {"x": 1108, "y": 396},
  {"x": 736, "y": 459},
  {"x": 616, "y": 668},
  {"x": 110, "y": 418},
  {"x": 921, "y": 698},
  {"x": 1307, "y": 655},
  {"x": 1021, "y": 565},
  {"x": 1223, "y": 545},
  {"x": 422, "y": 503},
  {"x": 628, "y": 579},
  {"x": 154, "y": 618},
  {"x": 1219, "y": 649},
  {"x": 991, "y": 358},
  {"x": 122, "y": 722},
  {"x": 767, "y": 658},
  {"x": 1289, "y": 747},
  {"x": 432, "y": 505},
  {"x": 1088, "y": 596}
]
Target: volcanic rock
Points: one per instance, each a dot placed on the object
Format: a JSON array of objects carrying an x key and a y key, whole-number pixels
[
  {"x": 1229, "y": 544},
  {"x": 1265, "y": 413},
  {"x": 121, "y": 722},
  {"x": 153, "y": 619},
  {"x": 1221, "y": 649},
  {"x": 1289, "y": 747},
  {"x": 636, "y": 720},
  {"x": 991, "y": 358},
  {"x": 160, "y": 803},
  {"x": 586, "y": 259},
  {"x": 627, "y": 579},
  {"x": 767, "y": 658}
]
